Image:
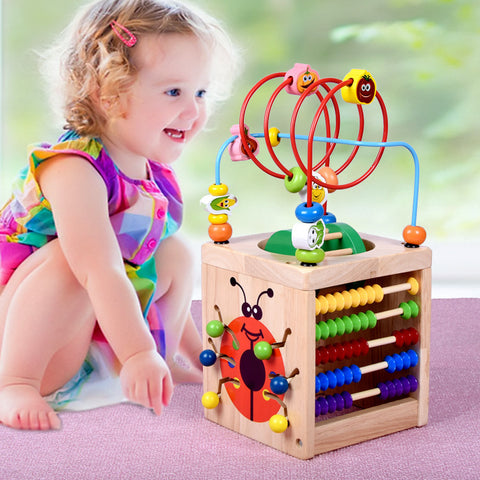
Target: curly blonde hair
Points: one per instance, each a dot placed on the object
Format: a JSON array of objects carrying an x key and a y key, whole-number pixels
[{"x": 93, "y": 63}]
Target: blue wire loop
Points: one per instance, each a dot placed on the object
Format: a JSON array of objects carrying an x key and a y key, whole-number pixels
[{"x": 343, "y": 142}]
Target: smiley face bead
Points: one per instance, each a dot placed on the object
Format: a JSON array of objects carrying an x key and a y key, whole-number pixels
[{"x": 363, "y": 88}]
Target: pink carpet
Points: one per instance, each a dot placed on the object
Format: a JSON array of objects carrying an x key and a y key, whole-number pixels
[{"x": 128, "y": 442}]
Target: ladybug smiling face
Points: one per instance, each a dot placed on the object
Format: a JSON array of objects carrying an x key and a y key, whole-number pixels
[{"x": 251, "y": 372}]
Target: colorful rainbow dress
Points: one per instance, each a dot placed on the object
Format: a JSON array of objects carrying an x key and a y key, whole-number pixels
[{"x": 142, "y": 213}]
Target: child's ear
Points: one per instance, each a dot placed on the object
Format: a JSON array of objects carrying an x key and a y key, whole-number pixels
[{"x": 113, "y": 106}]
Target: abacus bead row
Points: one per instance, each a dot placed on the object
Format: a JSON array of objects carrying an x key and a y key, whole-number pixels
[
  {"x": 361, "y": 296},
  {"x": 345, "y": 325},
  {"x": 386, "y": 390},
  {"x": 360, "y": 346},
  {"x": 353, "y": 373},
  {"x": 352, "y": 298}
]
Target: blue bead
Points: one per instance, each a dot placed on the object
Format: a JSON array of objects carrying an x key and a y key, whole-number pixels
[
  {"x": 329, "y": 218},
  {"x": 347, "y": 373},
  {"x": 357, "y": 374},
  {"x": 391, "y": 364},
  {"x": 318, "y": 384},
  {"x": 340, "y": 377},
  {"x": 398, "y": 362},
  {"x": 208, "y": 358},
  {"x": 332, "y": 379},
  {"x": 406, "y": 360},
  {"x": 279, "y": 385},
  {"x": 413, "y": 357},
  {"x": 309, "y": 214}
]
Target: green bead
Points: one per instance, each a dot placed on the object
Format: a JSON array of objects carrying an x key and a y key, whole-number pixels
[
  {"x": 348, "y": 324},
  {"x": 263, "y": 350},
  {"x": 310, "y": 256},
  {"x": 357, "y": 324},
  {"x": 372, "y": 319},
  {"x": 340, "y": 326},
  {"x": 414, "y": 308},
  {"x": 407, "y": 311},
  {"x": 324, "y": 330},
  {"x": 332, "y": 327},
  {"x": 363, "y": 320},
  {"x": 215, "y": 328},
  {"x": 297, "y": 181},
  {"x": 318, "y": 332}
]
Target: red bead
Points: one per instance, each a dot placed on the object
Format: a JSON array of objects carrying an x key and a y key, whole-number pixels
[
  {"x": 347, "y": 346},
  {"x": 399, "y": 338},
  {"x": 318, "y": 356},
  {"x": 357, "y": 348},
  {"x": 340, "y": 351},
  {"x": 332, "y": 351},
  {"x": 364, "y": 345},
  {"x": 415, "y": 335}
]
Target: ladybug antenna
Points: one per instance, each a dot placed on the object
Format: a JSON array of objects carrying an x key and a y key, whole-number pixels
[
  {"x": 234, "y": 283},
  {"x": 269, "y": 292}
]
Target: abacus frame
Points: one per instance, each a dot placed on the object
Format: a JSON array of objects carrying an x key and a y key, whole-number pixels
[{"x": 386, "y": 262}]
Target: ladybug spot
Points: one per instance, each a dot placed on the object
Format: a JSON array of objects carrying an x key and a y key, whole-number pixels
[{"x": 252, "y": 371}]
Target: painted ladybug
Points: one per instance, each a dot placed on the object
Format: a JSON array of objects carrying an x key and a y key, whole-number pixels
[{"x": 251, "y": 372}]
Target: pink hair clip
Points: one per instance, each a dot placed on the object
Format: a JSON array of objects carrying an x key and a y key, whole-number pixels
[{"x": 118, "y": 29}]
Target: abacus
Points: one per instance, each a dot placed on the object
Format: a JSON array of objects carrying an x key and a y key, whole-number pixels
[{"x": 317, "y": 337}]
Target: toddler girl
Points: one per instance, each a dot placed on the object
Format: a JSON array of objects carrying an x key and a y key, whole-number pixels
[{"x": 86, "y": 245}]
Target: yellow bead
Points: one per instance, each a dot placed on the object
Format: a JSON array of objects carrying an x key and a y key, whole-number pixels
[
  {"x": 278, "y": 423},
  {"x": 347, "y": 298},
  {"x": 363, "y": 88},
  {"x": 332, "y": 303},
  {"x": 210, "y": 400},
  {"x": 355, "y": 298},
  {"x": 378, "y": 292},
  {"x": 218, "y": 219},
  {"x": 415, "y": 287},
  {"x": 370, "y": 294},
  {"x": 273, "y": 136},
  {"x": 318, "y": 307},
  {"x": 217, "y": 190},
  {"x": 340, "y": 301},
  {"x": 323, "y": 304},
  {"x": 363, "y": 296}
]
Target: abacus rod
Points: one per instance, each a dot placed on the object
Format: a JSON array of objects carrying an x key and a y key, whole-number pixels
[
  {"x": 401, "y": 287},
  {"x": 333, "y": 236},
  {"x": 379, "y": 342},
  {"x": 374, "y": 367},
  {"x": 389, "y": 313},
  {"x": 373, "y": 392}
]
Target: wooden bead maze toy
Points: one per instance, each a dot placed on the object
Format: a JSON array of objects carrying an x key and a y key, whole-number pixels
[{"x": 316, "y": 337}]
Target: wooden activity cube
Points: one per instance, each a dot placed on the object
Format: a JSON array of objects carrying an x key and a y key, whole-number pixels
[{"x": 245, "y": 405}]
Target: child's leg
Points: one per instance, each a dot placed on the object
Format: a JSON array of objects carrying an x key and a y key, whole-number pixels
[
  {"x": 173, "y": 298},
  {"x": 46, "y": 324}
]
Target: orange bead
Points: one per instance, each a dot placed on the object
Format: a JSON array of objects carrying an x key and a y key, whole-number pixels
[
  {"x": 414, "y": 235},
  {"x": 330, "y": 177},
  {"x": 220, "y": 233}
]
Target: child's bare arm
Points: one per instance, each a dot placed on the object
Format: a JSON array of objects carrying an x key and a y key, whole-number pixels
[{"x": 78, "y": 198}]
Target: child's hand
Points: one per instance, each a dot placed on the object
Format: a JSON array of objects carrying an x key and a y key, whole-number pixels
[{"x": 146, "y": 380}]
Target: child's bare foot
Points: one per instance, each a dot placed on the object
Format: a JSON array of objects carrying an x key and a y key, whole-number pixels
[
  {"x": 22, "y": 407},
  {"x": 184, "y": 372}
]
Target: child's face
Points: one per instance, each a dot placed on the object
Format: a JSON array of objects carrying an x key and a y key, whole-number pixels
[{"x": 166, "y": 106}]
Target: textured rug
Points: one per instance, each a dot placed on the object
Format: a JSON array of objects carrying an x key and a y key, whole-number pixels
[{"x": 128, "y": 442}]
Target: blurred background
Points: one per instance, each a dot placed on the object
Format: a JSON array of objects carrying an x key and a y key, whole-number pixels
[{"x": 425, "y": 58}]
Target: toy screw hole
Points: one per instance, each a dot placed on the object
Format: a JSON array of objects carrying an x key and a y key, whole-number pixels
[{"x": 299, "y": 442}]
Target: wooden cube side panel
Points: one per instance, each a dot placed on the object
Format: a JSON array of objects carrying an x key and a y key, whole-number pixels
[{"x": 288, "y": 308}]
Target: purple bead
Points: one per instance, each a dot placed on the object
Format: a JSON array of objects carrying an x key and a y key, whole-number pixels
[
  {"x": 340, "y": 377},
  {"x": 398, "y": 387},
  {"x": 413, "y": 357},
  {"x": 318, "y": 407},
  {"x": 357, "y": 374},
  {"x": 332, "y": 404},
  {"x": 383, "y": 391},
  {"x": 347, "y": 400},
  {"x": 347, "y": 373},
  {"x": 391, "y": 364},
  {"x": 406, "y": 360},
  {"x": 391, "y": 389},
  {"x": 340, "y": 402},
  {"x": 413, "y": 383},
  {"x": 405, "y": 385}
]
